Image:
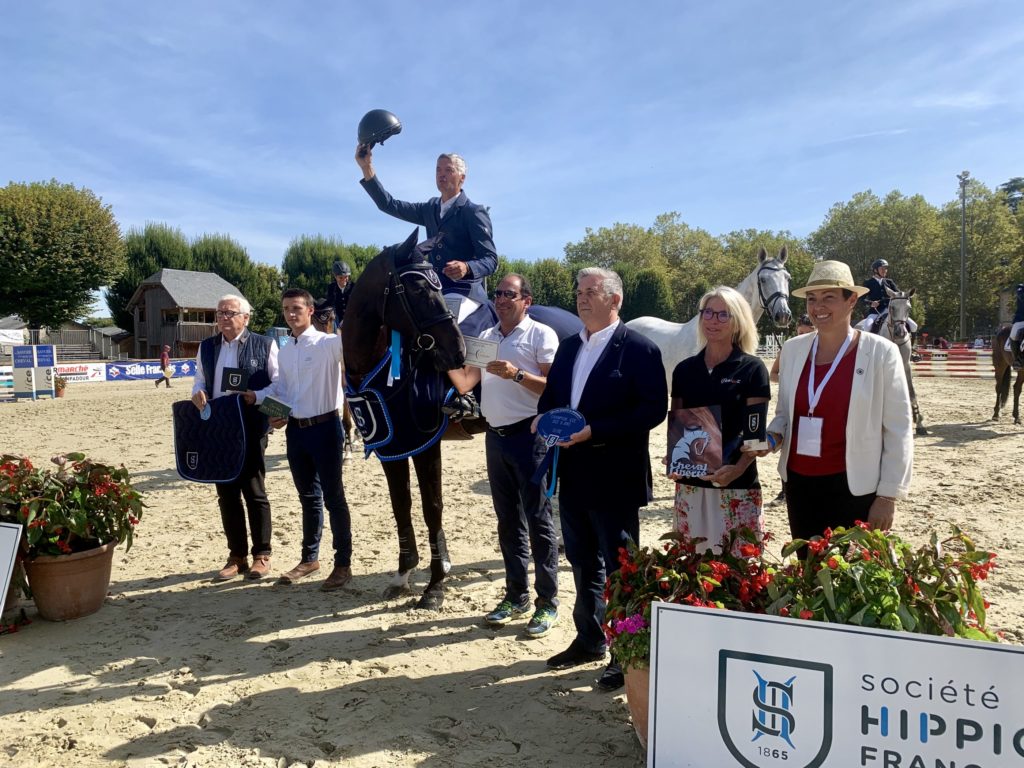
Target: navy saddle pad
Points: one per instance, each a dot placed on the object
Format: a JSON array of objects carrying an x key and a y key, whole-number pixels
[{"x": 211, "y": 451}]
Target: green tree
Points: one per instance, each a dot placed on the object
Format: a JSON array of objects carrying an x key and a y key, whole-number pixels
[
  {"x": 1014, "y": 191},
  {"x": 147, "y": 251},
  {"x": 647, "y": 293},
  {"x": 308, "y": 260},
  {"x": 618, "y": 244},
  {"x": 58, "y": 244}
]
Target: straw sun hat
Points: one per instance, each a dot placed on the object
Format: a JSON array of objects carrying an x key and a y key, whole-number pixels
[{"x": 829, "y": 274}]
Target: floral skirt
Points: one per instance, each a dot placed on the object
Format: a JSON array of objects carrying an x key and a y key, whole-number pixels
[{"x": 709, "y": 513}]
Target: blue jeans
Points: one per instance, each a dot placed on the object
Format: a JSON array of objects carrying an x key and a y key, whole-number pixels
[
  {"x": 592, "y": 540},
  {"x": 524, "y": 515},
  {"x": 314, "y": 456}
]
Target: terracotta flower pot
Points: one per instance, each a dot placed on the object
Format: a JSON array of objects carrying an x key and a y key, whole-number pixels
[
  {"x": 60, "y": 392},
  {"x": 70, "y": 586},
  {"x": 638, "y": 686}
]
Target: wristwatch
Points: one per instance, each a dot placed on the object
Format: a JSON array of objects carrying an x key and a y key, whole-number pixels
[{"x": 519, "y": 375}]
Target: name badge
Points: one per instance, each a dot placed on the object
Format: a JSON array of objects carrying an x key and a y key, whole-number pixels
[
  {"x": 235, "y": 380},
  {"x": 808, "y": 440}
]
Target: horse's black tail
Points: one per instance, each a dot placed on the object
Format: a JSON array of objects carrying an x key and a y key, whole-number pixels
[
  {"x": 1003, "y": 386},
  {"x": 1003, "y": 383}
]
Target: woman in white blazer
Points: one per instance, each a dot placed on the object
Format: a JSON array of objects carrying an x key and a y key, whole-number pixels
[{"x": 843, "y": 419}]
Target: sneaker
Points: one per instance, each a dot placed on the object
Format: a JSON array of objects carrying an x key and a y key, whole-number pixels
[
  {"x": 506, "y": 611},
  {"x": 543, "y": 619}
]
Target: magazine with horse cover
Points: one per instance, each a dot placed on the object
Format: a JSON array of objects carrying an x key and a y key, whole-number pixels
[{"x": 694, "y": 441}]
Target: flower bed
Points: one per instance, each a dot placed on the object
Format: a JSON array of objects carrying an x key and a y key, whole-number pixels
[{"x": 856, "y": 576}]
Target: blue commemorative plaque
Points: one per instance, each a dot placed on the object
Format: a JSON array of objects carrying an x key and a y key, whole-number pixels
[{"x": 559, "y": 425}]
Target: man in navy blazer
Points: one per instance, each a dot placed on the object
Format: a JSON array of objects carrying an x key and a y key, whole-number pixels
[
  {"x": 615, "y": 378},
  {"x": 464, "y": 254}
]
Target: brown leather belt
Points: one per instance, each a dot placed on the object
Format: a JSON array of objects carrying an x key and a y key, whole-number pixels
[
  {"x": 312, "y": 420},
  {"x": 512, "y": 429}
]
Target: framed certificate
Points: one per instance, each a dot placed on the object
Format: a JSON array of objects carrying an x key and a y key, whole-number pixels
[{"x": 480, "y": 352}]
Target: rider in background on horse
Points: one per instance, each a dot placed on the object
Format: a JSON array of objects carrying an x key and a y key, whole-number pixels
[
  {"x": 339, "y": 290},
  {"x": 463, "y": 253},
  {"x": 877, "y": 298},
  {"x": 1017, "y": 331}
]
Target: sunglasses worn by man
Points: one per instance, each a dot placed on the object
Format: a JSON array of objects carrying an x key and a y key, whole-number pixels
[{"x": 512, "y": 295}]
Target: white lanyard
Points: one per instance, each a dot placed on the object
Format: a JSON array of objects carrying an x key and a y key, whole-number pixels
[{"x": 814, "y": 395}]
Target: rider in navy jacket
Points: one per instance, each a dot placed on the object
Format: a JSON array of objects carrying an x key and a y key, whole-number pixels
[{"x": 464, "y": 254}]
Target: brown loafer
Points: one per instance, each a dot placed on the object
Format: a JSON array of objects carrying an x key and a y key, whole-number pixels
[
  {"x": 260, "y": 567},
  {"x": 340, "y": 576},
  {"x": 300, "y": 571},
  {"x": 235, "y": 566}
]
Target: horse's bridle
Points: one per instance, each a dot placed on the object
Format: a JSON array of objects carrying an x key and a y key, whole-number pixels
[
  {"x": 771, "y": 267},
  {"x": 893, "y": 323},
  {"x": 396, "y": 286}
]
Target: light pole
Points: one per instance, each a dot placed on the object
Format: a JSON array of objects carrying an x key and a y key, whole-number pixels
[{"x": 962, "y": 178}]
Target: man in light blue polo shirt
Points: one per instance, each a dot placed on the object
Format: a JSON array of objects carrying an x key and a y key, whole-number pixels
[{"x": 510, "y": 389}]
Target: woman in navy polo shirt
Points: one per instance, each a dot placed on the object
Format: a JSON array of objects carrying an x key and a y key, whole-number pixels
[{"x": 716, "y": 386}]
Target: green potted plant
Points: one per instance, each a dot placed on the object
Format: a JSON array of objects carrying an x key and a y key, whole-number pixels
[
  {"x": 873, "y": 578},
  {"x": 60, "y": 384},
  {"x": 680, "y": 570},
  {"x": 73, "y": 517}
]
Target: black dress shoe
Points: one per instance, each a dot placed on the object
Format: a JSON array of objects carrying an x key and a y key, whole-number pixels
[
  {"x": 573, "y": 656},
  {"x": 612, "y": 678}
]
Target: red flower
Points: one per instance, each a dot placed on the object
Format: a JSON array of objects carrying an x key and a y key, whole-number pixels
[
  {"x": 806, "y": 614},
  {"x": 833, "y": 563},
  {"x": 783, "y": 611},
  {"x": 750, "y": 550}
]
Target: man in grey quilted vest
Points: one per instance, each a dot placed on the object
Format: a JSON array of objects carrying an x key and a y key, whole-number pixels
[{"x": 251, "y": 362}]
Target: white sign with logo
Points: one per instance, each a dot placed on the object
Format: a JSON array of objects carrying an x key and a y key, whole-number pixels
[
  {"x": 10, "y": 535},
  {"x": 737, "y": 689}
]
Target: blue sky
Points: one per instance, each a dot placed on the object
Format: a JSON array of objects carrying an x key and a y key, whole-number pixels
[{"x": 240, "y": 117}]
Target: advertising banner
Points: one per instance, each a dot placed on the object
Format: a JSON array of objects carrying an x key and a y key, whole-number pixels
[
  {"x": 738, "y": 689},
  {"x": 82, "y": 372},
  {"x": 145, "y": 369}
]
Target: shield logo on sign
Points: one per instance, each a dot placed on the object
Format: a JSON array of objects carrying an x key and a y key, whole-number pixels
[
  {"x": 192, "y": 458},
  {"x": 234, "y": 379},
  {"x": 770, "y": 705},
  {"x": 753, "y": 423}
]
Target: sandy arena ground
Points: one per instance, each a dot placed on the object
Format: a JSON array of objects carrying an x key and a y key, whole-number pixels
[{"x": 179, "y": 670}]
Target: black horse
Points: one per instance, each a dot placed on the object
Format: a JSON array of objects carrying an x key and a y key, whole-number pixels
[
  {"x": 399, "y": 338},
  {"x": 1002, "y": 360}
]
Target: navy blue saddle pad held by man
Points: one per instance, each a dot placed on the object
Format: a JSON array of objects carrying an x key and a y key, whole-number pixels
[{"x": 209, "y": 450}]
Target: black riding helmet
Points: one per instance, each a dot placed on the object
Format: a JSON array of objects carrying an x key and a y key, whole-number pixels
[
  {"x": 377, "y": 126},
  {"x": 341, "y": 268},
  {"x": 878, "y": 264}
]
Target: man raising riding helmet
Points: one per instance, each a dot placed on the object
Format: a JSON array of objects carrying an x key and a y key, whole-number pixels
[
  {"x": 463, "y": 254},
  {"x": 876, "y": 299}
]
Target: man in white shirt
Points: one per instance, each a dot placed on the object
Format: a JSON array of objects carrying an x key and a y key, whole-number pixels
[
  {"x": 510, "y": 389},
  {"x": 252, "y": 357},
  {"x": 309, "y": 382}
]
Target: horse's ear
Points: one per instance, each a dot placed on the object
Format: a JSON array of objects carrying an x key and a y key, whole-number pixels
[
  {"x": 762, "y": 255},
  {"x": 911, "y": 292},
  {"x": 783, "y": 254},
  {"x": 890, "y": 292},
  {"x": 410, "y": 241}
]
